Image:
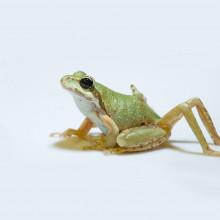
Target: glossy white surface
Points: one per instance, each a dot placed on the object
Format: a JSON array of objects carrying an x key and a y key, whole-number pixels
[{"x": 170, "y": 50}]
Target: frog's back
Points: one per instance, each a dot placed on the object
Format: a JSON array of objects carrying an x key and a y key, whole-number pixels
[{"x": 126, "y": 110}]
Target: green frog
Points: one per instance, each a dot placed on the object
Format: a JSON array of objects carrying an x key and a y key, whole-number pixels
[{"x": 127, "y": 122}]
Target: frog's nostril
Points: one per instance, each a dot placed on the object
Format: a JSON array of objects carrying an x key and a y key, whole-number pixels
[{"x": 63, "y": 79}]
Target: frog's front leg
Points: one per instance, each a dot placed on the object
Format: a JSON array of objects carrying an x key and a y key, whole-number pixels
[
  {"x": 81, "y": 132},
  {"x": 109, "y": 135},
  {"x": 142, "y": 138},
  {"x": 113, "y": 131}
]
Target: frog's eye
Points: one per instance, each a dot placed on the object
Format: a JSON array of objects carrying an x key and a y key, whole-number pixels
[{"x": 86, "y": 83}]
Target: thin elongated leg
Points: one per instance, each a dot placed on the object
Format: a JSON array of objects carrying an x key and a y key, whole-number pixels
[
  {"x": 206, "y": 119},
  {"x": 184, "y": 109},
  {"x": 82, "y": 131}
]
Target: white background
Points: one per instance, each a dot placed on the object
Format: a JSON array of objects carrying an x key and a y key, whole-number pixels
[{"x": 169, "y": 49}]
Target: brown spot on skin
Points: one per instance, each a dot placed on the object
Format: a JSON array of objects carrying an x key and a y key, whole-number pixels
[{"x": 96, "y": 94}]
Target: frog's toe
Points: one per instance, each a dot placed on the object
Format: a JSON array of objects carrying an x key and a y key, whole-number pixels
[
  {"x": 54, "y": 134},
  {"x": 95, "y": 147},
  {"x": 68, "y": 133}
]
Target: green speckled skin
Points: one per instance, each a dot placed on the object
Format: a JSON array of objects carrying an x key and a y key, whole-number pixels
[{"x": 126, "y": 111}]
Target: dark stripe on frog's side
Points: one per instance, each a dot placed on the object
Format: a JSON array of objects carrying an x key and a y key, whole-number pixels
[
  {"x": 97, "y": 95},
  {"x": 125, "y": 110}
]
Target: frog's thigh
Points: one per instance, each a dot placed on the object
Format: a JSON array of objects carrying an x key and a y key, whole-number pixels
[{"x": 142, "y": 138}]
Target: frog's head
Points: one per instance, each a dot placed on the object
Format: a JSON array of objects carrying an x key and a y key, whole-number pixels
[
  {"x": 87, "y": 97},
  {"x": 81, "y": 86},
  {"x": 79, "y": 82}
]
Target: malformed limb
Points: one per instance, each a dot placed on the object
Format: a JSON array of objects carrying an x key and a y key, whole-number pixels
[
  {"x": 184, "y": 109},
  {"x": 206, "y": 119},
  {"x": 139, "y": 95},
  {"x": 82, "y": 131}
]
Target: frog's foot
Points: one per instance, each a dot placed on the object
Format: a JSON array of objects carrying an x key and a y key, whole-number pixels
[
  {"x": 95, "y": 147},
  {"x": 98, "y": 141},
  {"x": 213, "y": 153},
  {"x": 68, "y": 133}
]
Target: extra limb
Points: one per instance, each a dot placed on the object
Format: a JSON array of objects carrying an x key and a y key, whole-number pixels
[
  {"x": 139, "y": 95},
  {"x": 81, "y": 132},
  {"x": 184, "y": 109}
]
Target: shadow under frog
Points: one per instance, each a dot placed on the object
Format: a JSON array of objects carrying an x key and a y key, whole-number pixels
[{"x": 78, "y": 144}]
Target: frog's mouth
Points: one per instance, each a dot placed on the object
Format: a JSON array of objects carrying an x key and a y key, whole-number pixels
[
  {"x": 72, "y": 85},
  {"x": 69, "y": 83}
]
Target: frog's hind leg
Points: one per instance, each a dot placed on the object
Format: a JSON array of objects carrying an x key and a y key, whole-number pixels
[
  {"x": 184, "y": 109},
  {"x": 206, "y": 119},
  {"x": 141, "y": 138}
]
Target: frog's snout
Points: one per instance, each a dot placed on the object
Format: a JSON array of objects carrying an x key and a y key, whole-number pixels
[
  {"x": 68, "y": 82},
  {"x": 61, "y": 81},
  {"x": 64, "y": 81}
]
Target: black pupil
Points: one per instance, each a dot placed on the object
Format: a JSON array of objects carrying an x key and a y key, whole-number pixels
[{"x": 86, "y": 83}]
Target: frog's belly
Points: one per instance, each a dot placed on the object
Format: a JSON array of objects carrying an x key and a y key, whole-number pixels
[{"x": 89, "y": 109}]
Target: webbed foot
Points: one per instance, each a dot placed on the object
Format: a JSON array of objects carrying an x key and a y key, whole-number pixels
[{"x": 68, "y": 133}]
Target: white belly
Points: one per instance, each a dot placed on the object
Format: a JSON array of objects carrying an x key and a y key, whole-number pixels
[{"x": 88, "y": 109}]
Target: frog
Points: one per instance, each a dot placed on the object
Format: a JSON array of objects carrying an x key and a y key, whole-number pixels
[{"x": 127, "y": 122}]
